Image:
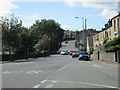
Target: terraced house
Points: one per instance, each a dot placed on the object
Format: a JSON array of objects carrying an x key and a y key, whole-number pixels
[{"x": 111, "y": 30}]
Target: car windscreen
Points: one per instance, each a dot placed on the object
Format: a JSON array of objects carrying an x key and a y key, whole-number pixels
[{"x": 75, "y": 51}]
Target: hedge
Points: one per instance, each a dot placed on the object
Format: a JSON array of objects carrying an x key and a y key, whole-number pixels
[{"x": 113, "y": 45}]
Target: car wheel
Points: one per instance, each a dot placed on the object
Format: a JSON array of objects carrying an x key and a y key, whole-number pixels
[{"x": 72, "y": 56}]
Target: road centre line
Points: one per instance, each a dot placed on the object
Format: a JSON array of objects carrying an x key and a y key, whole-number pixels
[
  {"x": 84, "y": 83},
  {"x": 46, "y": 79},
  {"x": 57, "y": 71},
  {"x": 43, "y": 81}
]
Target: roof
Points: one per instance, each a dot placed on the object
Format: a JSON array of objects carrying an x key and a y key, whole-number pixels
[{"x": 116, "y": 16}]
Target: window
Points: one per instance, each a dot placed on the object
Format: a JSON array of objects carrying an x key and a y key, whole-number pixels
[
  {"x": 110, "y": 32},
  {"x": 114, "y": 24},
  {"x": 118, "y": 23}
]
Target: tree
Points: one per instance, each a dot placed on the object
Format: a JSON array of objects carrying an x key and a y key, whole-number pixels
[
  {"x": 43, "y": 44},
  {"x": 10, "y": 32},
  {"x": 49, "y": 28}
]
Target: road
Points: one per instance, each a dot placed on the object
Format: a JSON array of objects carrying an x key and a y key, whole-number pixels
[{"x": 59, "y": 71}]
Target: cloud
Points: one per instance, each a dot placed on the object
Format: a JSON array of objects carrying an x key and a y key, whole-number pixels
[
  {"x": 108, "y": 14},
  {"x": 30, "y": 19},
  {"x": 106, "y": 5},
  {"x": 65, "y": 27},
  {"x": 93, "y": 3},
  {"x": 6, "y": 6}
]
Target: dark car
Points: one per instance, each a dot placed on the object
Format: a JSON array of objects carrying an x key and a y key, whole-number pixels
[
  {"x": 84, "y": 56},
  {"x": 66, "y": 41},
  {"x": 75, "y": 54}
]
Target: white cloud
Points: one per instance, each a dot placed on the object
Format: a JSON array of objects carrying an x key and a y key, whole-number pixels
[
  {"x": 65, "y": 27},
  {"x": 108, "y": 14},
  {"x": 29, "y": 20},
  {"x": 106, "y": 5},
  {"x": 6, "y": 6},
  {"x": 34, "y": 16},
  {"x": 93, "y": 3}
]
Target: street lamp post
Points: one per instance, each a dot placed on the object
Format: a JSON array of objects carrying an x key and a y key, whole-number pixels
[{"x": 84, "y": 24}]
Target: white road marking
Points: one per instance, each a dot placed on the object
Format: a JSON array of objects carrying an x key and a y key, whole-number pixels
[
  {"x": 56, "y": 72},
  {"x": 49, "y": 86},
  {"x": 62, "y": 68},
  {"x": 52, "y": 75},
  {"x": 98, "y": 85},
  {"x": 54, "y": 81},
  {"x": 44, "y": 81},
  {"x": 111, "y": 64},
  {"x": 97, "y": 66},
  {"x": 36, "y": 86},
  {"x": 33, "y": 72},
  {"x": 13, "y": 72},
  {"x": 6, "y": 72},
  {"x": 83, "y": 83}
]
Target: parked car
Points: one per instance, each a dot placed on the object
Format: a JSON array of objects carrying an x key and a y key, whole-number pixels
[
  {"x": 84, "y": 56},
  {"x": 66, "y": 41},
  {"x": 71, "y": 52},
  {"x": 75, "y": 54},
  {"x": 64, "y": 52}
]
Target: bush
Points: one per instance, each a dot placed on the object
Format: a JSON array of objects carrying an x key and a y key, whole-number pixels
[
  {"x": 111, "y": 49},
  {"x": 44, "y": 51},
  {"x": 90, "y": 51},
  {"x": 114, "y": 42},
  {"x": 83, "y": 49},
  {"x": 113, "y": 45},
  {"x": 105, "y": 40}
]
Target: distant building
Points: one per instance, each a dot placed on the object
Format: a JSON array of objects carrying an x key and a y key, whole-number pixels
[
  {"x": 89, "y": 43},
  {"x": 83, "y": 38},
  {"x": 111, "y": 30},
  {"x": 68, "y": 34}
]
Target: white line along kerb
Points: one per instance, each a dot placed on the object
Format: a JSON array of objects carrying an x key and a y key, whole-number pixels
[
  {"x": 49, "y": 86},
  {"x": 36, "y": 86}
]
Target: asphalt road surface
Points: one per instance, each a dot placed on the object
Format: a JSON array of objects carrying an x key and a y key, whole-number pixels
[{"x": 59, "y": 71}]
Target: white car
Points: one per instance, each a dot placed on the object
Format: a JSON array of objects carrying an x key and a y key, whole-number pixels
[{"x": 64, "y": 52}]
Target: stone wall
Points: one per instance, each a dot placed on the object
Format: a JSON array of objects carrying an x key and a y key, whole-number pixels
[
  {"x": 95, "y": 55},
  {"x": 118, "y": 56},
  {"x": 107, "y": 56},
  {"x": 111, "y": 56}
]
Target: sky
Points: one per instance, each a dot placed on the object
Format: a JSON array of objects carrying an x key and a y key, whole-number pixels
[{"x": 96, "y": 12}]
